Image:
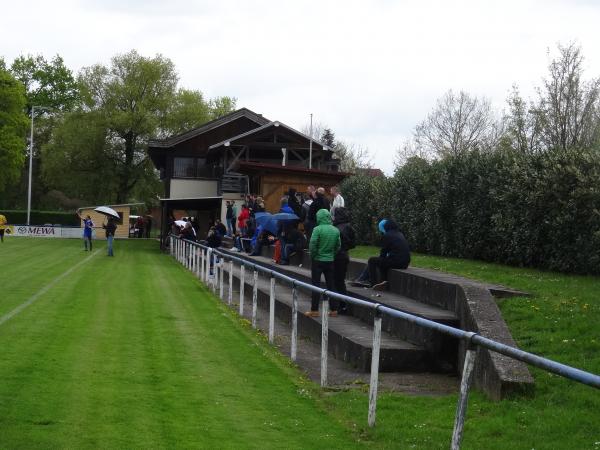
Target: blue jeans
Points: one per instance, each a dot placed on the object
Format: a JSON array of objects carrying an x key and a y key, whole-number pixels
[
  {"x": 286, "y": 249},
  {"x": 109, "y": 241}
]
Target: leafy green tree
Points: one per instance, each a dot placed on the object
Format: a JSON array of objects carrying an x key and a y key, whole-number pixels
[
  {"x": 125, "y": 104},
  {"x": 47, "y": 83},
  {"x": 13, "y": 128}
]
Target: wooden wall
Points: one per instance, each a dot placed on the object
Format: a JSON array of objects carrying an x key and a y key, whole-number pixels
[
  {"x": 99, "y": 219},
  {"x": 275, "y": 186}
]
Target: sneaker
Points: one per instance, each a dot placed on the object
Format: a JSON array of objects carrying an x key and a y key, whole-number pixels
[
  {"x": 311, "y": 313},
  {"x": 380, "y": 286}
]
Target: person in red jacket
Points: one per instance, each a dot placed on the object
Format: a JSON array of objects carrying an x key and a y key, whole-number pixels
[{"x": 243, "y": 219}]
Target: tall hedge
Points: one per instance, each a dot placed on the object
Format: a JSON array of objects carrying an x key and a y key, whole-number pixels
[
  {"x": 19, "y": 217},
  {"x": 540, "y": 210}
]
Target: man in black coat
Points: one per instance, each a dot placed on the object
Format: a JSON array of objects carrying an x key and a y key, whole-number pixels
[
  {"x": 394, "y": 254},
  {"x": 319, "y": 202}
]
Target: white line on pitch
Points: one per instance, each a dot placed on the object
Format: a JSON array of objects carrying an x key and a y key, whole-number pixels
[{"x": 6, "y": 317}]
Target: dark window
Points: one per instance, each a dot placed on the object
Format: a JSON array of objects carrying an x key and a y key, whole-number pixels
[
  {"x": 191, "y": 168},
  {"x": 184, "y": 168}
]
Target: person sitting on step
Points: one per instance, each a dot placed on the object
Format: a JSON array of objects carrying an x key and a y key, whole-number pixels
[{"x": 394, "y": 254}]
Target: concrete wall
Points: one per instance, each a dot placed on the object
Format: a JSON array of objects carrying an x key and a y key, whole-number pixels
[{"x": 193, "y": 188}]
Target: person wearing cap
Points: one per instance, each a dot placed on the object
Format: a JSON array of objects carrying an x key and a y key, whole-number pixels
[{"x": 394, "y": 254}]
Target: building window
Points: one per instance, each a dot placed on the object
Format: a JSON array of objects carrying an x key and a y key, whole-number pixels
[{"x": 184, "y": 168}]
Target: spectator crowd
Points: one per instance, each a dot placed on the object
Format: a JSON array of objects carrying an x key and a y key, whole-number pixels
[{"x": 309, "y": 221}]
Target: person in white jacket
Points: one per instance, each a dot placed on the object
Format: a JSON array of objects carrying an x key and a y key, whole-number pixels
[{"x": 338, "y": 200}]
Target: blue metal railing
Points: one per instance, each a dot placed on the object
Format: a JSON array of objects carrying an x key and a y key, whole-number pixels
[{"x": 182, "y": 249}]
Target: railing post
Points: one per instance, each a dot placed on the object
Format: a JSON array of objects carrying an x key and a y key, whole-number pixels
[
  {"x": 463, "y": 399},
  {"x": 187, "y": 255},
  {"x": 221, "y": 267},
  {"x": 198, "y": 268},
  {"x": 193, "y": 259},
  {"x": 171, "y": 245},
  {"x": 207, "y": 267},
  {"x": 324, "y": 337},
  {"x": 294, "y": 322},
  {"x": 374, "y": 367},
  {"x": 203, "y": 268},
  {"x": 230, "y": 292},
  {"x": 272, "y": 310},
  {"x": 242, "y": 286},
  {"x": 254, "y": 297}
]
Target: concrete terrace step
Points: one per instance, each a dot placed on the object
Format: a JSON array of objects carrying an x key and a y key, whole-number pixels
[{"x": 350, "y": 339}]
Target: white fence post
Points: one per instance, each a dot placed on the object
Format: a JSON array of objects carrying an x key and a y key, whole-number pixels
[
  {"x": 374, "y": 368},
  {"x": 242, "y": 285},
  {"x": 463, "y": 399},
  {"x": 324, "y": 338},
  {"x": 272, "y": 310},
  {"x": 294, "y": 322},
  {"x": 254, "y": 297},
  {"x": 207, "y": 267},
  {"x": 171, "y": 245},
  {"x": 203, "y": 264},
  {"x": 221, "y": 267},
  {"x": 230, "y": 292},
  {"x": 198, "y": 254}
]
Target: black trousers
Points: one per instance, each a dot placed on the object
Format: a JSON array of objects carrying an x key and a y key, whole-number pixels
[
  {"x": 340, "y": 268},
  {"x": 384, "y": 264},
  {"x": 317, "y": 269}
]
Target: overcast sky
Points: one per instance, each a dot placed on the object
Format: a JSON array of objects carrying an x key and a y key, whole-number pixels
[{"x": 370, "y": 70}]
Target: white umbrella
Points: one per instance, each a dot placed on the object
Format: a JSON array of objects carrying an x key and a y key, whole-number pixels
[{"x": 107, "y": 211}]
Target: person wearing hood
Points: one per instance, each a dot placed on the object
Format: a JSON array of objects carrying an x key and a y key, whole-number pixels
[
  {"x": 394, "y": 254},
  {"x": 324, "y": 244},
  {"x": 341, "y": 221}
]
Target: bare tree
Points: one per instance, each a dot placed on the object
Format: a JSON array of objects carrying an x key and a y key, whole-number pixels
[
  {"x": 352, "y": 156},
  {"x": 567, "y": 105},
  {"x": 458, "y": 124}
]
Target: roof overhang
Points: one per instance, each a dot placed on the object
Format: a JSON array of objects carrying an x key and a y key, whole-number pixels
[{"x": 318, "y": 145}]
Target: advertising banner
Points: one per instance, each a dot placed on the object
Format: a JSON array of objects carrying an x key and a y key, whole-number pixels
[{"x": 45, "y": 231}]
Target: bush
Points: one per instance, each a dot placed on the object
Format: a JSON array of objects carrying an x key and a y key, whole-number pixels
[
  {"x": 18, "y": 217},
  {"x": 540, "y": 210}
]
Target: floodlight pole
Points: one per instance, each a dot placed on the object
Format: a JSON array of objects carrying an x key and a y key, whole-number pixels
[{"x": 30, "y": 168}]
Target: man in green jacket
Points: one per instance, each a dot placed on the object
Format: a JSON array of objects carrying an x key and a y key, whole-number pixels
[{"x": 324, "y": 245}]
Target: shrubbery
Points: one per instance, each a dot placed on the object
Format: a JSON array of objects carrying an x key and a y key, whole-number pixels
[
  {"x": 534, "y": 209},
  {"x": 19, "y": 217}
]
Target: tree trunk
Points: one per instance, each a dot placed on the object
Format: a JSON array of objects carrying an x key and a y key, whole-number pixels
[{"x": 125, "y": 183}]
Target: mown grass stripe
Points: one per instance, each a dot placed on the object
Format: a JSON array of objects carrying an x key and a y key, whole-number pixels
[{"x": 6, "y": 317}]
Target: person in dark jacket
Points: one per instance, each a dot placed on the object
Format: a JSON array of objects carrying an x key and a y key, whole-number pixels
[
  {"x": 220, "y": 228},
  {"x": 292, "y": 241},
  {"x": 394, "y": 254},
  {"x": 341, "y": 221},
  {"x": 110, "y": 228},
  {"x": 319, "y": 202},
  {"x": 293, "y": 202}
]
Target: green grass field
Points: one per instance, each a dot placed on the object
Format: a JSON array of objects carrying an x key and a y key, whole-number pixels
[{"x": 133, "y": 352}]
